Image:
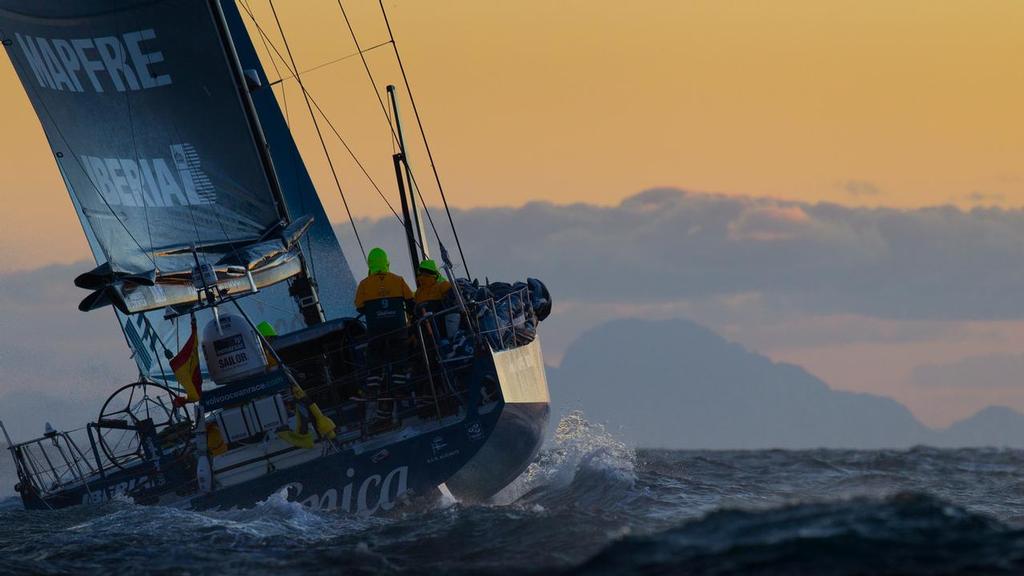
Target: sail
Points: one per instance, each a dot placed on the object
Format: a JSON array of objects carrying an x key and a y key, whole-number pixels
[
  {"x": 141, "y": 109},
  {"x": 323, "y": 252},
  {"x": 139, "y": 102}
]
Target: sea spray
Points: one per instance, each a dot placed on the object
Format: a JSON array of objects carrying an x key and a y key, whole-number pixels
[{"x": 579, "y": 449}]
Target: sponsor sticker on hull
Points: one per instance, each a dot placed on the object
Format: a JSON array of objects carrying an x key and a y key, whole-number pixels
[{"x": 364, "y": 497}]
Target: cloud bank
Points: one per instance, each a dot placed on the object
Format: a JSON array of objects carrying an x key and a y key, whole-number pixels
[{"x": 665, "y": 245}]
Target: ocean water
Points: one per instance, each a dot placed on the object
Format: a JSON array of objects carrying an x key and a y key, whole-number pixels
[{"x": 590, "y": 505}]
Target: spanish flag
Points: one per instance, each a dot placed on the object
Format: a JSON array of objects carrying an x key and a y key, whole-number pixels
[{"x": 186, "y": 366}]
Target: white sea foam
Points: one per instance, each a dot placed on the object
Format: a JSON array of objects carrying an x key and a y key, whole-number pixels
[{"x": 580, "y": 448}]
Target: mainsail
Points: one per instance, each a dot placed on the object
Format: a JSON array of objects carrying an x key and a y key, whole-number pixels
[{"x": 142, "y": 106}]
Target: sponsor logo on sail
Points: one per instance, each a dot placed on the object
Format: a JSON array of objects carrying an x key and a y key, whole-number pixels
[
  {"x": 128, "y": 62},
  {"x": 177, "y": 180}
]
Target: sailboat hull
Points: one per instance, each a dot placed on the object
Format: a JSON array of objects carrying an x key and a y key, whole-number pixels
[
  {"x": 474, "y": 457},
  {"x": 371, "y": 479},
  {"x": 475, "y": 454},
  {"x": 518, "y": 432}
]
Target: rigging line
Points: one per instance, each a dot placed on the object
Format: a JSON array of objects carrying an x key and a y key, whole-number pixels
[
  {"x": 391, "y": 124},
  {"x": 423, "y": 134},
  {"x": 366, "y": 65},
  {"x": 373, "y": 83},
  {"x": 277, "y": 71},
  {"x": 295, "y": 153},
  {"x": 430, "y": 218},
  {"x": 352, "y": 154},
  {"x": 281, "y": 79},
  {"x": 265, "y": 37},
  {"x": 319, "y": 134},
  {"x": 330, "y": 124}
]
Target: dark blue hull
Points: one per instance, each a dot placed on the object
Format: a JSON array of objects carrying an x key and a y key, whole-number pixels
[
  {"x": 476, "y": 455},
  {"x": 515, "y": 441},
  {"x": 373, "y": 480},
  {"x": 517, "y": 433}
]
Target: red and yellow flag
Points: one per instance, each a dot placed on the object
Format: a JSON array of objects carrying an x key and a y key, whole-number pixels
[{"x": 186, "y": 366}]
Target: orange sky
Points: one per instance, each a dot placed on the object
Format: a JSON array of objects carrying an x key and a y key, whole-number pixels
[{"x": 915, "y": 102}]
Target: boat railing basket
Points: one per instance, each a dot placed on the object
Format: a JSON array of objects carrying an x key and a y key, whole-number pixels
[
  {"x": 507, "y": 321},
  {"x": 52, "y": 462}
]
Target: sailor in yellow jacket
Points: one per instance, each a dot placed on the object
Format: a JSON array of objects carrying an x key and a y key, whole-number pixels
[
  {"x": 431, "y": 286},
  {"x": 431, "y": 290},
  {"x": 386, "y": 302}
]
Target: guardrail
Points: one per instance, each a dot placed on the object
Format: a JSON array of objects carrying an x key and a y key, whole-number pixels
[{"x": 51, "y": 462}]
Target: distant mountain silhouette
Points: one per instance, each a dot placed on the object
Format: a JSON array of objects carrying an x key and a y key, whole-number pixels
[
  {"x": 676, "y": 384},
  {"x": 991, "y": 426}
]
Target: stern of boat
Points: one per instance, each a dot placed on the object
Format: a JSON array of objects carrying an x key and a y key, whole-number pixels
[{"x": 519, "y": 431}]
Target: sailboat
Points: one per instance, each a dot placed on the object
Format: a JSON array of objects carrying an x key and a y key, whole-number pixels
[{"x": 209, "y": 235}]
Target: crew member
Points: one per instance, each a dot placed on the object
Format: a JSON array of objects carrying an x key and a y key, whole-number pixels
[
  {"x": 385, "y": 301},
  {"x": 431, "y": 287}
]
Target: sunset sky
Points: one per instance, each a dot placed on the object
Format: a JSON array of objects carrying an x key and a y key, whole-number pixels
[
  {"x": 904, "y": 103},
  {"x": 862, "y": 103}
]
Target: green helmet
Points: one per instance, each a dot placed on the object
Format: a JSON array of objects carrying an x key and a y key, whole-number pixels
[
  {"x": 266, "y": 329},
  {"x": 431, "y": 267},
  {"x": 378, "y": 261}
]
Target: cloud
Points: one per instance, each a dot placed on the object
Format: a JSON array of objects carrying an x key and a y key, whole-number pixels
[
  {"x": 861, "y": 188},
  {"x": 667, "y": 245},
  {"x": 769, "y": 224},
  {"x": 991, "y": 372},
  {"x": 986, "y": 197},
  {"x": 47, "y": 344}
]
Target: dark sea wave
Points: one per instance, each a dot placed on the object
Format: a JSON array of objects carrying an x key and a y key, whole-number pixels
[{"x": 590, "y": 505}]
